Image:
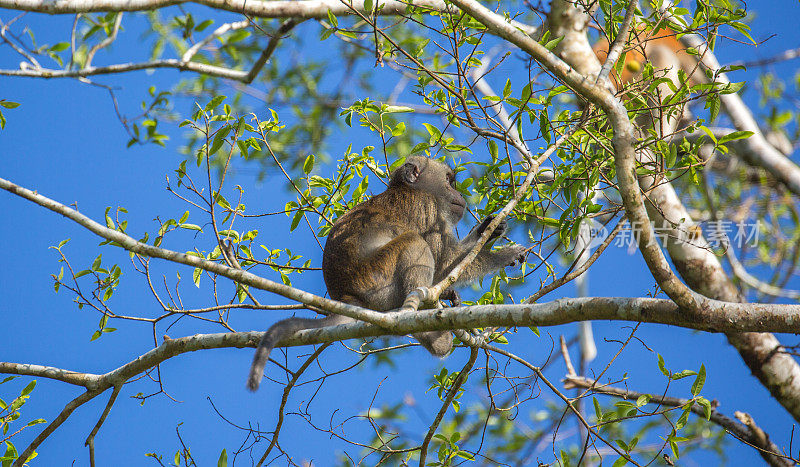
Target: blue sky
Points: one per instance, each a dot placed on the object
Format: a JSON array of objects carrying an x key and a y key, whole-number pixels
[{"x": 65, "y": 141}]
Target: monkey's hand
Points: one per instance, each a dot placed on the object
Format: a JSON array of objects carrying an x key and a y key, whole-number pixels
[
  {"x": 497, "y": 232},
  {"x": 513, "y": 255}
]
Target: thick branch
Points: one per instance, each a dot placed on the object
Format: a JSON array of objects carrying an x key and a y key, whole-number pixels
[
  {"x": 263, "y": 9},
  {"x": 87, "y": 380},
  {"x": 297, "y": 9},
  {"x": 624, "y": 140},
  {"x": 777, "y": 371},
  {"x": 722, "y": 317}
]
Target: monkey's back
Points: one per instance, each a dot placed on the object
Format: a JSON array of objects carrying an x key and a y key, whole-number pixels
[{"x": 349, "y": 265}]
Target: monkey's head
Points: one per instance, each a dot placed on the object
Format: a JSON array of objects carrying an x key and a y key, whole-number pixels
[{"x": 432, "y": 178}]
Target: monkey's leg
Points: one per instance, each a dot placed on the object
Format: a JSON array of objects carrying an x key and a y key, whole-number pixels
[{"x": 400, "y": 266}]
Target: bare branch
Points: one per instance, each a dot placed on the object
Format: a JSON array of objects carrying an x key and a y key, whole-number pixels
[
  {"x": 781, "y": 57},
  {"x": 90, "y": 439},
  {"x": 273, "y": 9},
  {"x": 61, "y": 418},
  {"x": 287, "y": 26},
  {"x": 210, "y": 70},
  {"x": 192, "y": 51},
  {"x": 87, "y": 380},
  {"x": 105, "y": 42},
  {"x": 751, "y": 435},
  {"x": 721, "y": 317}
]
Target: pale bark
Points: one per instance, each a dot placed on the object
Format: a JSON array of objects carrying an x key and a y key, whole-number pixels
[{"x": 688, "y": 250}]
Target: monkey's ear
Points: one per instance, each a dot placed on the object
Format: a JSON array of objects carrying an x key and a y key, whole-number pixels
[{"x": 407, "y": 174}]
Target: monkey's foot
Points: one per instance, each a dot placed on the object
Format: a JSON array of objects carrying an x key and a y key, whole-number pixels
[{"x": 452, "y": 296}]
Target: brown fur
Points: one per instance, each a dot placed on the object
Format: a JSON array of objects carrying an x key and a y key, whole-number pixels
[
  {"x": 387, "y": 246},
  {"x": 652, "y": 47}
]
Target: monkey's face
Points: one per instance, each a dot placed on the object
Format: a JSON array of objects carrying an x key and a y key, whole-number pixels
[
  {"x": 456, "y": 202},
  {"x": 435, "y": 179}
]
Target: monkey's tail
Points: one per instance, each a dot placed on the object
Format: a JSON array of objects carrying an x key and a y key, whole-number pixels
[{"x": 274, "y": 334}]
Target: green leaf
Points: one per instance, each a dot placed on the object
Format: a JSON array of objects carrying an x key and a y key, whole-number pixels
[
  {"x": 423, "y": 146},
  {"x": 493, "y": 149},
  {"x": 5, "y": 380},
  {"x": 706, "y": 404},
  {"x": 662, "y": 367},
  {"x": 465, "y": 455},
  {"x": 296, "y": 220},
  {"x": 59, "y": 47},
  {"x": 219, "y": 139},
  {"x": 550, "y": 45},
  {"x": 231, "y": 234},
  {"x": 191, "y": 227},
  {"x": 433, "y": 131},
  {"x": 196, "y": 276},
  {"x": 399, "y": 129},
  {"x": 699, "y": 381},
  {"x": 223, "y": 459},
  {"x": 392, "y": 109},
  {"x": 223, "y": 203},
  {"x": 731, "y": 88},
  {"x": 9, "y": 104},
  {"x": 682, "y": 374},
  {"x": 684, "y": 418},
  {"x": 29, "y": 388},
  {"x": 237, "y": 36},
  {"x": 332, "y": 19},
  {"x": 308, "y": 165},
  {"x": 200, "y": 27},
  {"x": 713, "y": 104},
  {"x": 217, "y": 100},
  {"x": 734, "y": 136}
]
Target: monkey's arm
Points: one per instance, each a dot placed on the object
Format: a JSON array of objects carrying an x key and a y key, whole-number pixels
[
  {"x": 276, "y": 333},
  {"x": 488, "y": 260}
]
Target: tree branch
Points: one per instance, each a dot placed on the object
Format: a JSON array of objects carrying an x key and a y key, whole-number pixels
[
  {"x": 721, "y": 317},
  {"x": 270, "y": 9},
  {"x": 761, "y": 153},
  {"x": 210, "y": 70},
  {"x": 243, "y": 277},
  {"x": 752, "y": 436}
]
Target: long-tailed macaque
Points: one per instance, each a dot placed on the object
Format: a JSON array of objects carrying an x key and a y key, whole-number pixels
[
  {"x": 387, "y": 246},
  {"x": 662, "y": 49}
]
